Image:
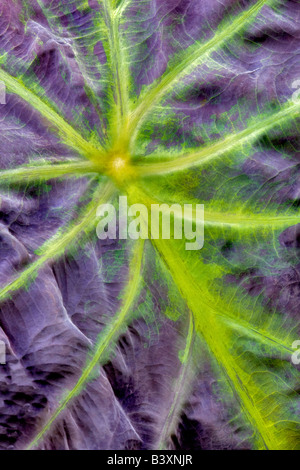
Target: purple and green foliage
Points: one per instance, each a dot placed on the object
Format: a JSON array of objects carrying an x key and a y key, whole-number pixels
[{"x": 140, "y": 344}]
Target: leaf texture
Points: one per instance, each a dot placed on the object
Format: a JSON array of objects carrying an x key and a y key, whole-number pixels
[{"x": 142, "y": 344}]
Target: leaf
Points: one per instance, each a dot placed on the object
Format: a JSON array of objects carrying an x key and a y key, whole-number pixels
[{"x": 143, "y": 344}]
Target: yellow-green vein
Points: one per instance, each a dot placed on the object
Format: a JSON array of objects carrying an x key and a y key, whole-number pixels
[
  {"x": 180, "y": 386},
  {"x": 289, "y": 111},
  {"x": 216, "y": 336},
  {"x": 118, "y": 127},
  {"x": 239, "y": 221},
  {"x": 110, "y": 332},
  {"x": 62, "y": 240},
  {"x": 67, "y": 133},
  {"x": 43, "y": 171},
  {"x": 194, "y": 56}
]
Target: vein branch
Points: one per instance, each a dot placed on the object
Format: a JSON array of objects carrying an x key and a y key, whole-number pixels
[
  {"x": 231, "y": 143},
  {"x": 194, "y": 56},
  {"x": 68, "y": 134},
  {"x": 63, "y": 239},
  {"x": 107, "y": 336},
  {"x": 238, "y": 221},
  {"x": 179, "y": 386},
  {"x": 42, "y": 171},
  {"x": 202, "y": 306},
  {"x": 120, "y": 73}
]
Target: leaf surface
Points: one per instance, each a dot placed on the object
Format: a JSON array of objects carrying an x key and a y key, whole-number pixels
[{"x": 142, "y": 344}]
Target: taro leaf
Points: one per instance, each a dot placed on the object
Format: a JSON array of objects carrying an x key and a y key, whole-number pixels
[{"x": 141, "y": 344}]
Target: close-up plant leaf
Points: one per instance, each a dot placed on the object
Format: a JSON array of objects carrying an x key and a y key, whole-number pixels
[{"x": 139, "y": 343}]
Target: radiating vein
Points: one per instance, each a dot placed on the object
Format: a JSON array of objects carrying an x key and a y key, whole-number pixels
[
  {"x": 226, "y": 315},
  {"x": 63, "y": 239},
  {"x": 239, "y": 221},
  {"x": 194, "y": 56},
  {"x": 289, "y": 111},
  {"x": 214, "y": 335},
  {"x": 107, "y": 336},
  {"x": 180, "y": 386},
  {"x": 216, "y": 326},
  {"x": 45, "y": 171},
  {"x": 119, "y": 122},
  {"x": 245, "y": 329},
  {"x": 246, "y": 221},
  {"x": 67, "y": 133},
  {"x": 89, "y": 90},
  {"x": 122, "y": 7}
]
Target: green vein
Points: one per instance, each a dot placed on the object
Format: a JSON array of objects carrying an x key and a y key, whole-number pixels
[
  {"x": 245, "y": 329},
  {"x": 180, "y": 387},
  {"x": 62, "y": 240},
  {"x": 214, "y": 334},
  {"x": 64, "y": 130},
  {"x": 122, "y": 7},
  {"x": 239, "y": 221},
  {"x": 111, "y": 332},
  {"x": 227, "y": 316},
  {"x": 42, "y": 171},
  {"x": 120, "y": 74},
  {"x": 288, "y": 112},
  {"x": 90, "y": 92},
  {"x": 214, "y": 324},
  {"x": 249, "y": 221},
  {"x": 194, "y": 56},
  {"x": 245, "y": 221}
]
